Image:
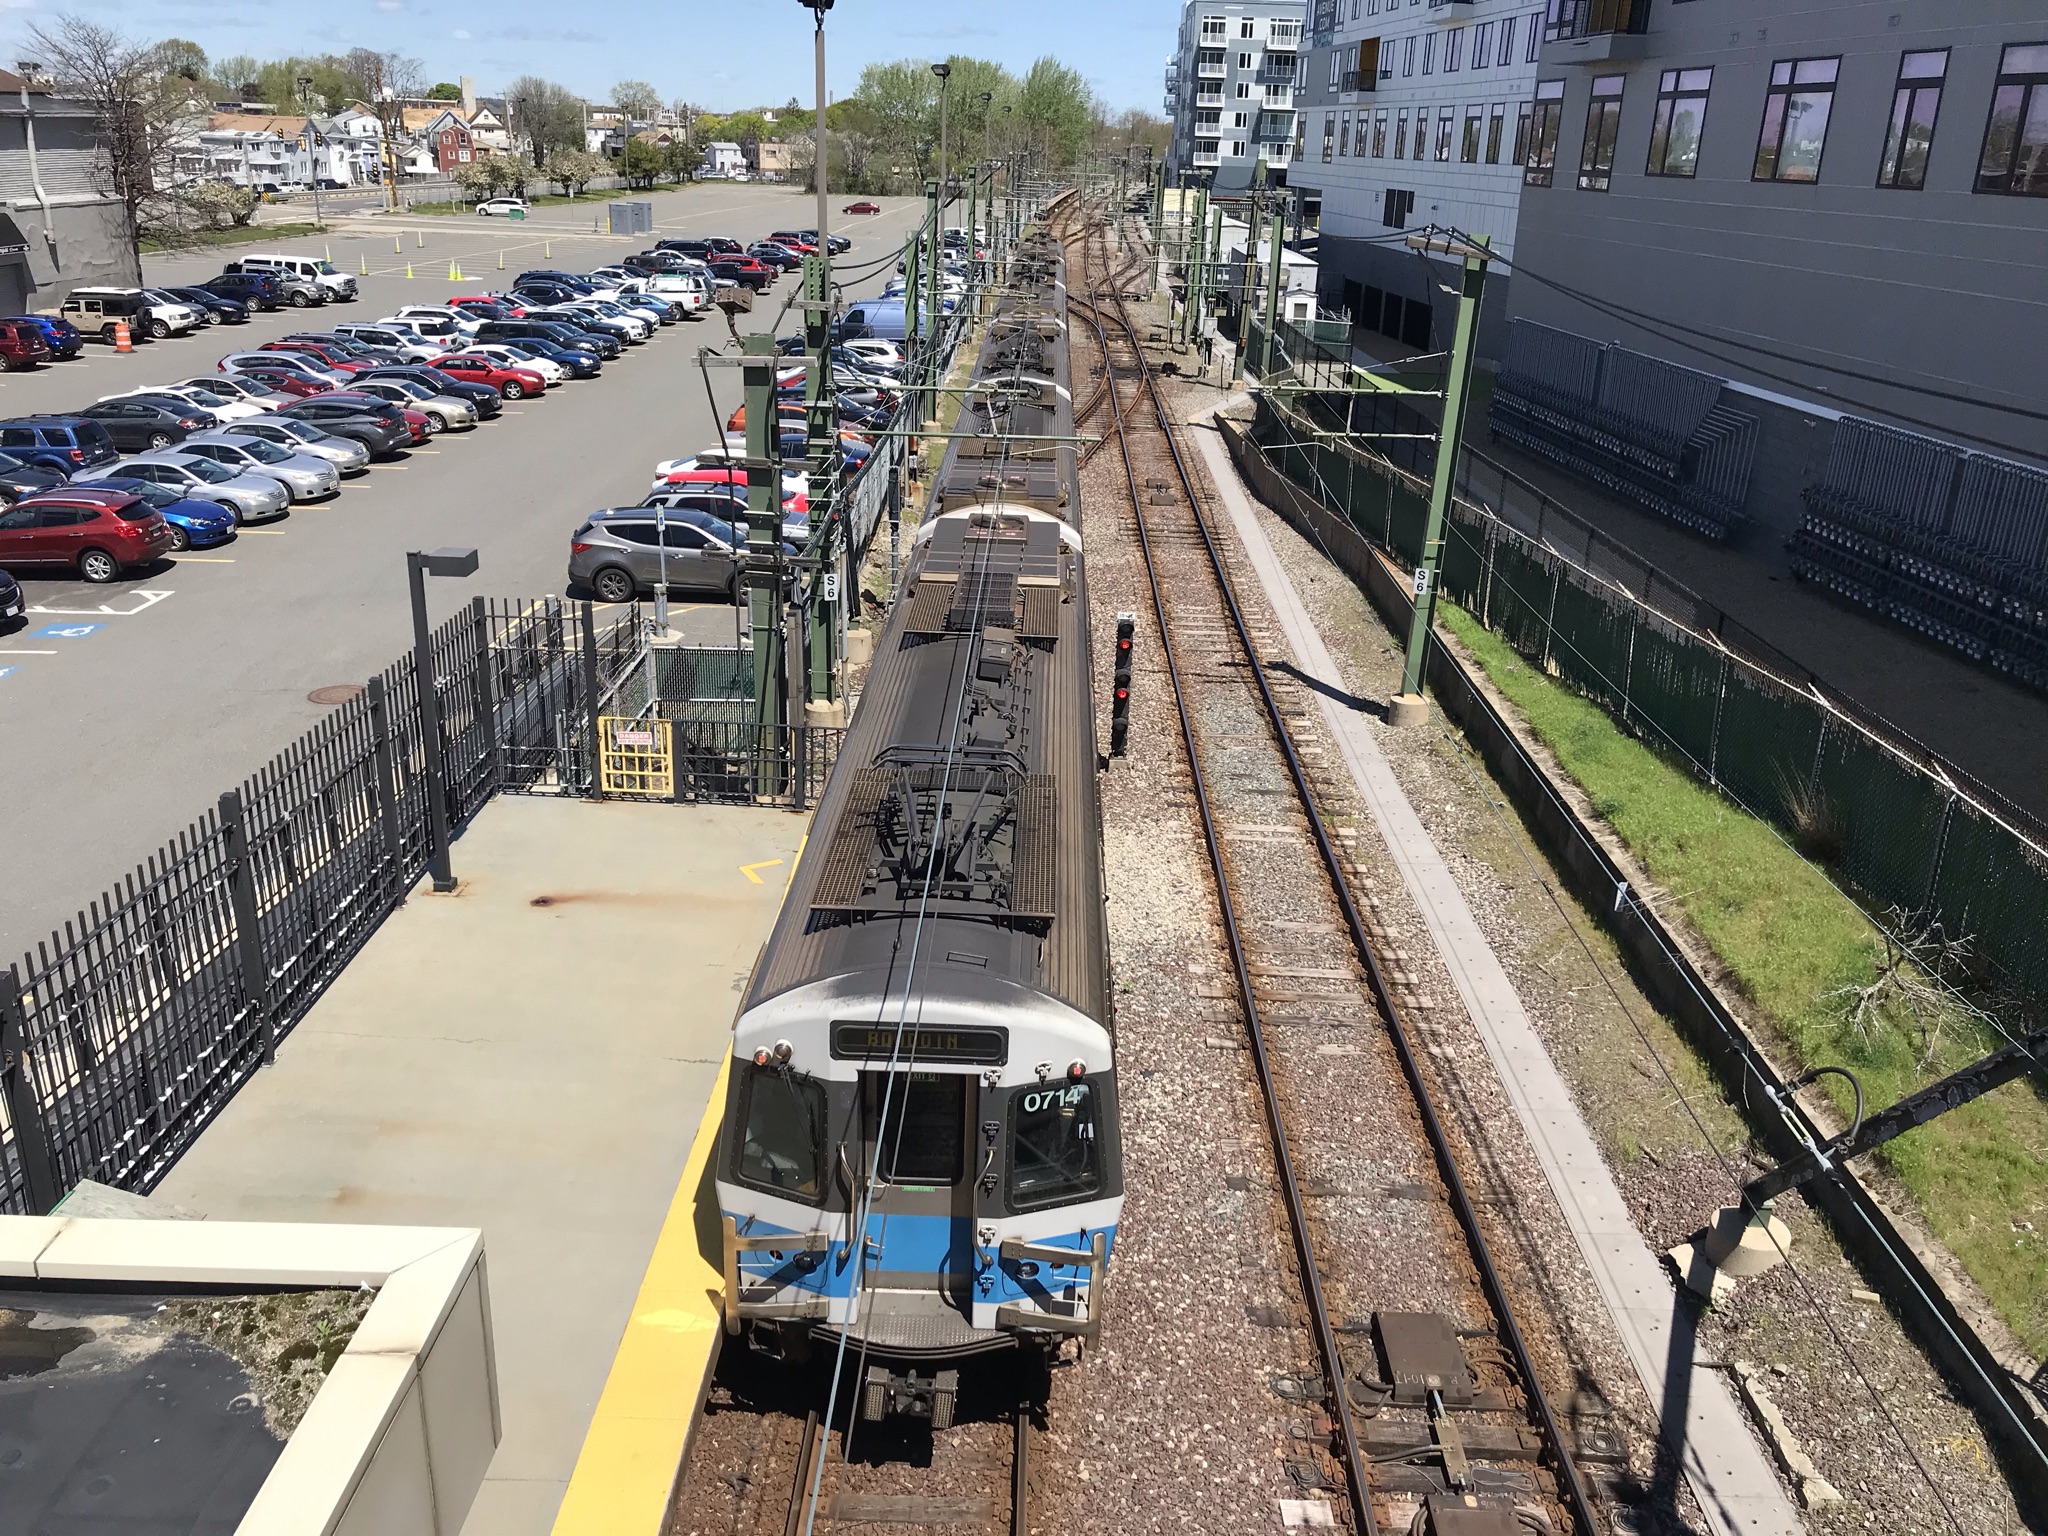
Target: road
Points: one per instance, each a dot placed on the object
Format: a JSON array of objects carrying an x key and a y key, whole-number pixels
[{"x": 127, "y": 709}]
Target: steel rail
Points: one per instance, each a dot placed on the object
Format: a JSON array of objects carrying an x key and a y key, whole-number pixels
[
  {"x": 1446, "y": 1160},
  {"x": 1304, "y": 1244}
]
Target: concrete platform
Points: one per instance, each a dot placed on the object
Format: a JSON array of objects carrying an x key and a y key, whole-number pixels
[{"x": 532, "y": 1055}]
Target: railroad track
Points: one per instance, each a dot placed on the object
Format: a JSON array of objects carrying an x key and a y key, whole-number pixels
[{"x": 1326, "y": 1034}]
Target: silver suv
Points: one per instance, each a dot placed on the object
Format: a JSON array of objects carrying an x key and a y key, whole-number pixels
[{"x": 619, "y": 554}]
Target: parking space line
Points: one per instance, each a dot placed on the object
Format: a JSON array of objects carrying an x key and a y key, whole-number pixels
[
  {"x": 278, "y": 533},
  {"x": 27, "y": 653},
  {"x": 219, "y": 559}
]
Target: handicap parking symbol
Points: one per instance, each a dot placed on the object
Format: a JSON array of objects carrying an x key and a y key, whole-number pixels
[
  {"x": 67, "y": 631},
  {"x": 7, "y": 672}
]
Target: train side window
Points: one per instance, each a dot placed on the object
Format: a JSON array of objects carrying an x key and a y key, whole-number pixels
[
  {"x": 784, "y": 1145},
  {"x": 1055, "y": 1145}
]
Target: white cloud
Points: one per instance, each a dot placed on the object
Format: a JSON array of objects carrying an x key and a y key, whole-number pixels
[
  {"x": 390, "y": 5},
  {"x": 461, "y": 34}
]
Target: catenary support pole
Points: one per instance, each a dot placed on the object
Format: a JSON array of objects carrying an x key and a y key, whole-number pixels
[{"x": 764, "y": 563}]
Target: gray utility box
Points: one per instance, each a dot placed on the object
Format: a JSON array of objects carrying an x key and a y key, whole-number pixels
[{"x": 630, "y": 218}]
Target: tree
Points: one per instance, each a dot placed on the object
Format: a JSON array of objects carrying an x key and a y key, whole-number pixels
[
  {"x": 236, "y": 71},
  {"x": 637, "y": 99},
  {"x": 1058, "y": 109},
  {"x": 445, "y": 91},
  {"x": 372, "y": 74},
  {"x": 574, "y": 169},
  {"x": 479, "y": 178},
  {"x": 220, "y": 205},
  {"x": 544, "y": 114},
  {"x": 134, "y": 109},
  {"x": 186, "y": 60},
  {"x": 640, "y": 163}
]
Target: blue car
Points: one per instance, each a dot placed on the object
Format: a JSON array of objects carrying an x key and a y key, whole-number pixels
[
  {"x": 193, "y": 524},
  {"x": 220, "y": 308},
  {"x": 65, "y": 339},
  {"x": 580, "y": 364}
]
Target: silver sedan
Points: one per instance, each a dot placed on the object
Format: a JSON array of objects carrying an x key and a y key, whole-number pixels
[
  {"x": 345, "y": 454},
  {"x": 441, "y": 411},
  {"x": 252, "y": 498},
  {"x": 306, "y": 477}
]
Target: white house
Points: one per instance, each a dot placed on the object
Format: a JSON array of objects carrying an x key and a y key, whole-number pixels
[{"x": 723, "y": 159}]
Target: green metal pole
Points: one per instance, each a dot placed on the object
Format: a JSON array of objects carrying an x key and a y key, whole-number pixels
[
  {"x": 934, "y": 316},
  {"x": 1275, "y": 275},
  {"x": 1410, "y": 708},
  {"x": 1158, "y": 226},
  {"x": 764, "y": 551},
  {"x": 1214, "y": 265},
  {"x": 822, "y": 435},
  {"x": 913, "y": 294}
]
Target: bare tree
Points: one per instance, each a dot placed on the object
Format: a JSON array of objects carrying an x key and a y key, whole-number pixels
[
  {"x": 372, "y": 74},
  {"x": 135, "y": 107},
  {"x": 637, "y": 99},
  {"x": 546, "y": 115}
]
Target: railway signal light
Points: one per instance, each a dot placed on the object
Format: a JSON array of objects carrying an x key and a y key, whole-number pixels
[{"x": 1120, "y": 696}]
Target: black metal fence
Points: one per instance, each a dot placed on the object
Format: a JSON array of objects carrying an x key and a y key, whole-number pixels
[
  {"x": 1913, "y": 831},
  {"x": 128, "y": 1029}
]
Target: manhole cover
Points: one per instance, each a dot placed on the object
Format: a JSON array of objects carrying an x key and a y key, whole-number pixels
[{"x": 337, "y": 693}]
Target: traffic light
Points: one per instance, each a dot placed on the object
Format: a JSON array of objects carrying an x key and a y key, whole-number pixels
[{"x": 1120, "y": 695}]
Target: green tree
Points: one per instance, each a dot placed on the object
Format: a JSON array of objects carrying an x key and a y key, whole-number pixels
[
  {"x": 186, "y": 60},
  {"x": 546, "y": 115},
  {"x": 574, "y": 169},
  {"x": 640, "y": 163},
  {"x": 637, "y": 99},
  {"x": 445, "y": 90},
  {"x": 1059, "y": 111}
]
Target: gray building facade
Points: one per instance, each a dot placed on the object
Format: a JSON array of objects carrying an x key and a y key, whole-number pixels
[
  {"x": 1414, "y": 114},
  {"x": 59, "y": 229},
  {"x": 1843, "y": 203},
  {"x": 1230, "y": 92}
]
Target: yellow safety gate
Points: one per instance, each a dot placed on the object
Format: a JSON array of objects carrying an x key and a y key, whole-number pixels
[{"x": 635, "y": 757}]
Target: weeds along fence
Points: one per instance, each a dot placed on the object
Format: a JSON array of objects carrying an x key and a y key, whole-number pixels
[
  {"x": 128, "y": 1029},
  {"x": 1901, "y": 826}
]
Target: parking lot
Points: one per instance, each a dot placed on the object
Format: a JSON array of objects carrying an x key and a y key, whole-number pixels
[{"x": 201, "y": 666}]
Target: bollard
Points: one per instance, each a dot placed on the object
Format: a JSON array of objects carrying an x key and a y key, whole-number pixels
[
  {"x": 366, "y": 265},
  {"x": 396, "y": 244},
  {"x": 123, "y": 342},
  {"x": 419, "y": 239},
  {"x": 454, "y": 273},
  {"x": 501, "y": 261},
  {"x": 547, "y": 249},
  {"x": 408, "y": 269}
]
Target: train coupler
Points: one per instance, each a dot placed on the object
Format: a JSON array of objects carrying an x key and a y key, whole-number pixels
[{"x": 934, "y": 1397}]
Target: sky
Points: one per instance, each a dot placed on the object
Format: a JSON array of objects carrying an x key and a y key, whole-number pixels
[{"x": 721, "y": 54}]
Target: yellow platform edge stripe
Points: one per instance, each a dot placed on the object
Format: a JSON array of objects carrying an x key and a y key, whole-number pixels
[{"x": 626, "y": 1470}]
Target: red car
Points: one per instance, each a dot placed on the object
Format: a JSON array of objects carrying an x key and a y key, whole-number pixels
[
  {"x": 326, "y": 357},
  {"x": 282, "y": 381},
  {"x": 862, "y": 208},
  {"x": 488, "y": 305},
  {"x": 512, "y": 383},
  {"x": 95, "y": 530}
]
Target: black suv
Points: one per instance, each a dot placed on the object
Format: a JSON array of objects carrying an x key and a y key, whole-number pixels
[
  {"x": 141, "y": 423},
  {"x": 379, "y": 427},
  {"x": 71, "y": 445},
  {"x": 255, "y": 289},
  {"x": 488, "y": 401}
]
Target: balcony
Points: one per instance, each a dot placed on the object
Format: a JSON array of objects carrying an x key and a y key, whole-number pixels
[
  {"x": 1209, "y": 66},
  {"x": 1595, "y": 31},
  {"x": 1207, "y": 152},
  {"x": 1277, "y": 69},
  {"x": 1355, "y": 80},
  {"x": 1211, "y": 97},
  {"x": 1284, "y": 34},
  {"x": 1279, "y": 97}
]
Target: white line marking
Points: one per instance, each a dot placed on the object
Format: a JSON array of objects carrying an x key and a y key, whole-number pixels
[{"x": 149, "y": 600}]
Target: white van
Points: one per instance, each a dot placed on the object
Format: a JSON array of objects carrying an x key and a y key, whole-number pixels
[{"x": 329, "y": 278}]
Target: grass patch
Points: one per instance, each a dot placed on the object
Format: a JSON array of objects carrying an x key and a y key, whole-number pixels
[
  {"x": 247, "y": 234},
  {"x": 1791, "y": 938},
  {"x": 537, "y": 200}
]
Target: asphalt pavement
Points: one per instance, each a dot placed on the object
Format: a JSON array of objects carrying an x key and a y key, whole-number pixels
[{"x": 126, "y": 709}]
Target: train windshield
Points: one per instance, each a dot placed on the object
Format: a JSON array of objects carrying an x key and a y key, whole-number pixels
[
  {"x": 784, "y": 1147},
  {"x": 919, "y": 1138},
  {"x": 1055, "y": 1149}
]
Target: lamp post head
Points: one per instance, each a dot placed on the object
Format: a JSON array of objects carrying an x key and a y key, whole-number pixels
[
  {"x": 448, "y": 560},
  {"x": 820, "y": 6},
  {"x": 943, "y": 71}
]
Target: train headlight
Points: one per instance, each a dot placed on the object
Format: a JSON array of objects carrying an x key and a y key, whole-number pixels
[
  {"x": 779, "y": 1053},
  {"x": 1076, "y": 1070},
  {"x": 761, "y": 1057}
]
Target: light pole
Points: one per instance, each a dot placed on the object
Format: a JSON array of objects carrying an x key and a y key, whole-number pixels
[
  {"x": 419, "y": 565},
  {"x": 945, "y": 74},
  {"x": 306, "y": 100}
]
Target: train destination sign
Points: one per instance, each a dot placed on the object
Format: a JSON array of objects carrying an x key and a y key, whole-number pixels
[{"x": 968, "y": 1047}]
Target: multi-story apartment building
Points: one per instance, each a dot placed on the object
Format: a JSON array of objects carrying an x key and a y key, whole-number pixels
[
  {"x": 1413, "y": 113},
  {"x": 1844, "y": 201},
  {"x": 1230, "y": 91}
]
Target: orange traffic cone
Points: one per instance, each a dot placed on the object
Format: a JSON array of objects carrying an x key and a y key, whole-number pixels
[{"x": 123, "y": 342}]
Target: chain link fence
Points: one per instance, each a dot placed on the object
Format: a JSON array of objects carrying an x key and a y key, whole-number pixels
[{"x": 1902, "y": 826}]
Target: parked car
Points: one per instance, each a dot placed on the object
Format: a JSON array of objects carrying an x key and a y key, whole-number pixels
[
  {"x": 481, "y": 398},
  {"x": 605, "y": 347},
  {"x": 620, "y": 554},
  {"x": 500, "y": 207},
  {"x": 307, "y": 476},
  {"x": 22, "y": 345},
  {"x": 285, "y": 360},
  {"x": 64, "y": 339},
  {"x": 862, "y": 207},
  {"x": 97, "y": 311},
  {"x": 329, "y": 356},
  {"x": 465, "y": 323},
  {"x": 377, "y": 424},
  {"x": 796, "y": 240},
  {"x": 218, "y": 309},
  {"x": 282, "y": 382},
  {"x": 405, "y": 345},
  {"x": 138, "y": 423},
  {"x": 443, "y": 412},
  {"x": 71, "y": 445},
  {"x": 728, "y": 504},
  {"x": 165, "y": 316},
  {"x": 328, "y": 280},
  {"x": 11, "y": 601},
  {"x": 437, "y": 329},
  {"x": 345, "y": 454},
  {"x": 19, "y": 478},
  {"x": 509, "y": 357},
  {"x": 222, "y": 405},
  {"x": 474, "y": 368},
  {"x": 348, "y": 346},
  {"x": 578, "y": 363},
  {"x": 258, "y": 290},
  {"x": 234, "y": 387},
  {"x": 252, "y": 498},
  {"x": 753, "y": 275},
  {"x": 194, "y": 523},
  {"x": 98, "y": 531},
  {"x": 770, "y": 254}
]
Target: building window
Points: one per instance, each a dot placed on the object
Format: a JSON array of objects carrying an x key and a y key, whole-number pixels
[
  {"x": 1407, "y": 61},
  {"x": 1681, "y": 115},
  {"x": 1400, "y": 134},
  {"x": 1482, "y": 45},
  {"x": 1428, "y": 54},
  {"x": 1212, "y": 32},
  {"x": 1795, "y": 129},
  {"x": 1236, "y": 145},
  {"x": 1398, "y": 206},
  {"x": 1244, "y": 29},
  {"x": 2015, "y": 157},
  {"x": 1603, "y": 126},
  {"x": 1205, "y": 122},
  {"x": 1910, "y": 134},
  {"x": 1241, "y": 119},
  {"x": 1523, "y": 112},
  {"x": 1343, "y": 136},
  {"x": 1454, "y": 51},
  {"x": 1468, "y": 148},
  {"x": 1244, "y": 93},
  {"x": 1336, "y": 67},
  {"x": 1329, "y": 134},
  {"x": 1244, "y": 61},
  {"x": 1446, "y": 124},
  {"x": 1379, "y": 134},
  {"x": 1496, "y": 128},
  {"x": 1541, "y": 161},
  {"x": 1506, "y": 56}
]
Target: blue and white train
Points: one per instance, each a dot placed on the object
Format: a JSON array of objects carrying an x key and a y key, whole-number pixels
[{"x": 920, "y": 1157}]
